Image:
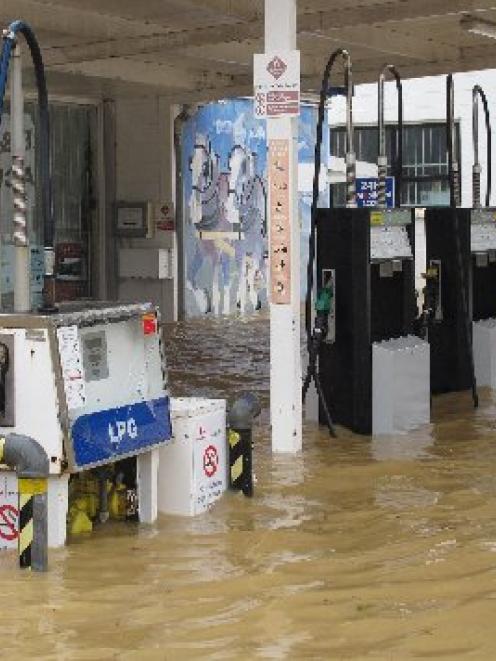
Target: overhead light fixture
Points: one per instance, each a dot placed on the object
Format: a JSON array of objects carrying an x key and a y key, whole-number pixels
[{"x": 476, "y": 26}]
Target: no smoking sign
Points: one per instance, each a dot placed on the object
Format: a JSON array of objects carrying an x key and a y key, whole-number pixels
[
  {"x": 8, "y": 523},
  {"x": 210, "y": 460}
]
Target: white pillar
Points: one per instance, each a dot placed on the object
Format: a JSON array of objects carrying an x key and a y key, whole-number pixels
[
  {"x": 22, "y": 301},
  {"x": 285, "y": 358},
  {"x": 147, "y": 469},
  {"x": 58, "y": 505}
]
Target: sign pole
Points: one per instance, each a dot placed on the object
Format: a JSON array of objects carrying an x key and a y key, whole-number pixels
[{"x": 284, "y": 234}]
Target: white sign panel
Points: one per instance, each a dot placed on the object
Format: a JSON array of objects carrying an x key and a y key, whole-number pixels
[
  {"x": 277, "y": 84},
  {"x": 72, "y": 366},
  {"x": 210, "y": 461}
]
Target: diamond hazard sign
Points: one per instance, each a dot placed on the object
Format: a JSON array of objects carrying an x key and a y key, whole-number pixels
[{"x": 276, "y": 67}]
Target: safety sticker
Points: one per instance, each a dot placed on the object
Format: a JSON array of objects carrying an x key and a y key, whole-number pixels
[
  {"x": 210, "y": 460},
  {"x": 8, "y": 522},
  {"x": 376, "y": 218}
]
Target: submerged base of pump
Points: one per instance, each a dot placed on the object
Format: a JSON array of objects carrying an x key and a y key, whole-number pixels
[
  {"x": 400, "y": 385},
  {"x": 484, "y": 343},
  {"x": 61, "y": 499}
]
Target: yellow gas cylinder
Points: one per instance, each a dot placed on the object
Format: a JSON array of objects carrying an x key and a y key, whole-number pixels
[
  {"x": 117, "y": 502},
  {"x": 79, "y": 521}
]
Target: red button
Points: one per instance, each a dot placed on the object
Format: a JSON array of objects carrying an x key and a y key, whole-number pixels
[{"x": 149, "y": 324}]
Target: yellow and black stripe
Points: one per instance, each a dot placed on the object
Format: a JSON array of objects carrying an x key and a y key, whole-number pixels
[
  {"x": 235, "y": 459},
  {"x": 28, "y": 489},
  {"x": 240, "y": 460}
]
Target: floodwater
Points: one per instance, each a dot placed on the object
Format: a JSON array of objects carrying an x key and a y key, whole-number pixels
[{"x": 352, "y": 550}]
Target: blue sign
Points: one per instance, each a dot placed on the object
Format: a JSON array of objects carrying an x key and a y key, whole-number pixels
[
  {"x": 104, "y": 436},
  {"x": 366, "y": 192}
]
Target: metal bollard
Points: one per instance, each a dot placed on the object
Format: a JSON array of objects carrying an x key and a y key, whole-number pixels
[
  {"x": 33, "y": 532},
  {"x": 241, "y": 418},
  {"x": 31, "y": 462}
]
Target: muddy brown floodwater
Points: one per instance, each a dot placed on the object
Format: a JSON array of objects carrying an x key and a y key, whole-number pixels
[{"x": 355, "y": 549}]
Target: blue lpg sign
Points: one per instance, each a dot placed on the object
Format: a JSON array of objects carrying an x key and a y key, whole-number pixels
[
  {"x": 105, "y": 436},
  {"x": 366, "y": 192}
]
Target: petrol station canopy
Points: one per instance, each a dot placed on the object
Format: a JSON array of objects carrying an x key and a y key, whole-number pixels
[{"x": 203, "y": 49}]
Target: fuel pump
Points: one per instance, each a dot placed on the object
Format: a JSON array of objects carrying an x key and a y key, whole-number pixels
[
  {"x": 324, "y": 326},
  {"x": 366, "y": 256},
  {"x": 460, "y": 242},
  {"x": 87, "y": 381}
]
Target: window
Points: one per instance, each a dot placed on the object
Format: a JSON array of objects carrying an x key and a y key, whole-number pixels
[
  {"x": 74, "y": 203},
  {"x": 425, "y": 160}
]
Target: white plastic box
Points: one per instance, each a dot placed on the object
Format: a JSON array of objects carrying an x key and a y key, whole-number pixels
[
  {"x": 484, "y": 341},
  {"x": 193, "y": 467},
  {"x": 400, "y": 385}
]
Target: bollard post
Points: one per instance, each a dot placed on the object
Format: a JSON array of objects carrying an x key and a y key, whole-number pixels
[
  {"x": 241, "y": 419},
  {"x": 31, "y": 462},
  {"x": 33, "y": 527}
]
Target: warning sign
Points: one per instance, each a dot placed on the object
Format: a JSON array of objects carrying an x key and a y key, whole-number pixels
[
  {"x": 8, "y": 523},
  {"x": 276, "y": 67},
  {"x": 277, "y": 84},
  {"x": 210, "y": 460}
]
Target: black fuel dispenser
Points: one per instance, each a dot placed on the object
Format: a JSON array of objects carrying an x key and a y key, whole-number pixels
[
  {"x": 366, "y": 255},
  {"x": 461, "y": 264}
]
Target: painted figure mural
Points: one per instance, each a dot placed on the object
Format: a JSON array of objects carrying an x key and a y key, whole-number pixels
[
  {"x": 225, "y": 206},
  {"x": 225, "y": 203}
]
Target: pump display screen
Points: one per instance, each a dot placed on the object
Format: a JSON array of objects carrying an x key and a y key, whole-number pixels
[{"x": 95, "y": 356}]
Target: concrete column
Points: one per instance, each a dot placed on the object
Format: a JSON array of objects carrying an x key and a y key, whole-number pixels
[{"x": 285, "y": 357}]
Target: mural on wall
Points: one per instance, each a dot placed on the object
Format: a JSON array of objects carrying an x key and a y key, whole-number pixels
[
  {"x": 225, "y": 201},
  {"x": 225, "y": 232}
]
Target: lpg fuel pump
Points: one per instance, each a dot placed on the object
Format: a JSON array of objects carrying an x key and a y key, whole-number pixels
[
  {"x": 460, "y": 274},
  {"x": 366, "y": 256},
  {"x": 86, "y": 380}
]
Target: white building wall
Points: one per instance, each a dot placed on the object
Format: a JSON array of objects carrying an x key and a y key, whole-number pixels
[{"x": 145, "y": 173}]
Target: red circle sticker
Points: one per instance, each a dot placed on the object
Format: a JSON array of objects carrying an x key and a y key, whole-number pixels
[
  {"x": 8, "y": 523},
  {"x": 210, "y": 460}
]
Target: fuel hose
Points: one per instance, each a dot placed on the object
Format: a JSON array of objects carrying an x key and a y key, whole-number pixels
[
  {"x": 454, "y": 196},
  {"x": 477, "y": 92},
  {"x": 10, "y": 37},
  {"x": 324, "y": 92},
  {"x": 382, "y": 163}
]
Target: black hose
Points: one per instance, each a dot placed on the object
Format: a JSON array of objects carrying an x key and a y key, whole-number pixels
[
  {"x": 399, "y": 157},
  {"x": 315, "y": 191},
  {"x": 449, "y": 137},
  {"x": 450, "y": 125},
  {"x": 44, "y": 118},
  {"x": 478, "y": 89}
]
